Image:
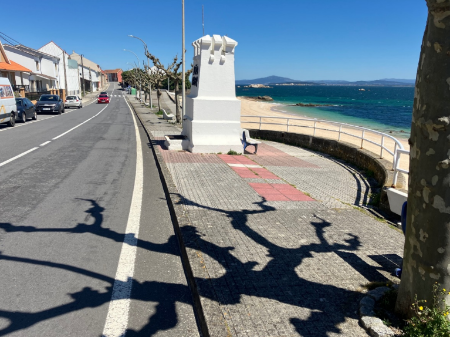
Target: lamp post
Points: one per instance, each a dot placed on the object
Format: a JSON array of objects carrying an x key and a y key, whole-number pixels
[
  {"x": 148, "y": 66},
  {"x": 140, "y": 79}
]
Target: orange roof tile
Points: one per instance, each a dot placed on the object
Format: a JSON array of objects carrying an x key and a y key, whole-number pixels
[{"x": 13, "y": 67}]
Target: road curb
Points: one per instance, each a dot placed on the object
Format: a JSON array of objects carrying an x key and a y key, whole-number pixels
[{"x": 181, "y": 219}]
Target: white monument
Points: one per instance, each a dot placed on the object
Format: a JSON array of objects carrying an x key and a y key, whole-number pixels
[{"x": 212, "y": 122}]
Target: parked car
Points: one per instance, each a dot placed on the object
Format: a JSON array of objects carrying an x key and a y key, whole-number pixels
[
  {"x": 25, "y": 109},
  {"x": 8, "y": 107},
  {"x": 103, "y": 99},
  {"x": 50, "y": 103},
  {"x": 73, "y": 102}
]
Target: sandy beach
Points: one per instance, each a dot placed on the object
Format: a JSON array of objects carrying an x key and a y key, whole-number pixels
[{"x": 250, "y": 107}]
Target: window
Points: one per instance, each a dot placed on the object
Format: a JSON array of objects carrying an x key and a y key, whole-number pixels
[{"x": 37, "y": 65}]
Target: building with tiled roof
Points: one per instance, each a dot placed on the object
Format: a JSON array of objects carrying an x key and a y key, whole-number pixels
[{"x": 114, "y": 75}]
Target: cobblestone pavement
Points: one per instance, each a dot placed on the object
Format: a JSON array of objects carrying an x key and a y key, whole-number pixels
[{"x": 275, "y": 241}]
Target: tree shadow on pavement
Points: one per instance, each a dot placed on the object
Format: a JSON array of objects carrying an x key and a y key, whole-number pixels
[{"x": 328, "y": 305}]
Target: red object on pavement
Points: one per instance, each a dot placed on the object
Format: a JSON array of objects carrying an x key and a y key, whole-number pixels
[{"x": 103, "y": 99}]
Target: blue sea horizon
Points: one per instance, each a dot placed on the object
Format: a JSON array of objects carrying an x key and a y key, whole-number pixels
[{"x": 385, "y": 109}]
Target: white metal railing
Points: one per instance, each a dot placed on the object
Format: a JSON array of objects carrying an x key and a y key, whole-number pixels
[{"x": 395, "y": 152}]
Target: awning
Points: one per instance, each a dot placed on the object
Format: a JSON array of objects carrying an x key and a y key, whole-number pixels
[{"x": 13, "y": 67}]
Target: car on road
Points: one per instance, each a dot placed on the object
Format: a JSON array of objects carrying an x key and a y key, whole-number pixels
[
  {"x": 102, "y": 98},
  {"x": 73, "y": 102},
  {"x": 103, "y": 93},
  {"x": 25, "y": 109},
  {"x": 8, "y": 107},
  {"x": 50, "y": 103}
]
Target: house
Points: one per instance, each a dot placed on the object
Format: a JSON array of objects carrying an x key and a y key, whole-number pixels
[
  {"x": 91, "y": 76},
  {"x": 68, "y": 77},
  {"x": 18, "y": 75},
  {"x": 114, "y": 75},
  {"x": 44, "y": 67}
]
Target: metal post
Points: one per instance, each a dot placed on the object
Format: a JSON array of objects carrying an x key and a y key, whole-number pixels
[
  {"x": 395, "y": 157},
  {"x": 287, "y": 124},
  {"x": 382, "y": 145},
  {"x": 314, "y": 133},
  {"x": 340, "y": 130},
  {"x": 260, "y": 122},
  {"x": 184, "y": 70},
  {"x": 396, "y": 160},
  {"x": 362, "y": 139}
]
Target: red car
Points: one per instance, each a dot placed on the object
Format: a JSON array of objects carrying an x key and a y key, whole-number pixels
[{"x": 103, "y": 98}]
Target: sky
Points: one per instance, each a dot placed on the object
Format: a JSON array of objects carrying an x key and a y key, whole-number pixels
[{"x": 299, "y": 39}]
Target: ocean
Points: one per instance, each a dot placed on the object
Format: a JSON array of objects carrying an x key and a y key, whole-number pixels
[{"x": 386, "y": 109}]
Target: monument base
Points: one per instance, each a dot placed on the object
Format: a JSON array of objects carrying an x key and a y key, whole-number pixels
[{"x": 208, "y": 136}]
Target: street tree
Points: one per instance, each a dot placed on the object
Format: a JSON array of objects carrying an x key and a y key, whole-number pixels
[
  {"x": 172, "y": 72},
  {"x": 427, "y": 238},
  {"x": 155, "y": 76}
]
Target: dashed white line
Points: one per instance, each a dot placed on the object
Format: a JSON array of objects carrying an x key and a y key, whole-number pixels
[
  {"x": 18, "y": 156},
  {"x": 87, "y": 120},
  {"x": 43, "y": 144},
  {"x": 117, "y": 318}
]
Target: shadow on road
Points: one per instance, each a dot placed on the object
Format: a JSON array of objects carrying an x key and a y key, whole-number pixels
[{"x": 277, "y": 280}]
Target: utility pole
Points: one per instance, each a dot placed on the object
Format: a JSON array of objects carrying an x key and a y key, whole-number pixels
[
  {"x": 82, "y": 74},
  {"x": 65, "y": 75},
  {"x": 183, "y": 81}
]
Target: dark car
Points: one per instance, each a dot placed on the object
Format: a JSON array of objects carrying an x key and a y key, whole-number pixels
[
  {"x": 103, "y": 93},
  {"x": 25, "y": 109},
  {"x": 103, "y": 99},
  {"x": 50, "y": 103}
]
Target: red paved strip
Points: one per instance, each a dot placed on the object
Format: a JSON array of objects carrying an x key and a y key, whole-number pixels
[
  {"x": 228, "y": 159},
  {"x": 279, "y": 192},
  {"x": 244, "y": 172},
  {"x": 263, "y": 173}
]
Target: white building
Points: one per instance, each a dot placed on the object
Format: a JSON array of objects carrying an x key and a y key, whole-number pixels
[
  {"x": 44, "y": 67},
  {"x": 68, "y": 77},
  {"x": 91, "y": 76}
]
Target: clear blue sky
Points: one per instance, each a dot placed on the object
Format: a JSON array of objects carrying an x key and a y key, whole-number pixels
[{"x": 299, "y": 39}]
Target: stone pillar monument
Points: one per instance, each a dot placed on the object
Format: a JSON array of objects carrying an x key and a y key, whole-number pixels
[{"x": 212, "y": 122}]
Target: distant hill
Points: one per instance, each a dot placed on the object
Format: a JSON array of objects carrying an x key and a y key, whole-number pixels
[
  {"x": 266, "y": 80},
  {"x": 280, "y": 80}
]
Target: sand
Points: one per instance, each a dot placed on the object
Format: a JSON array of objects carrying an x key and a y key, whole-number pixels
[{"x": 251, "y": 107}]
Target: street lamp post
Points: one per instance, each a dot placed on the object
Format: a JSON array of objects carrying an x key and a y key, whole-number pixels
[
  {"x": 148, "y": 66},
  {"x": 140, "y": 79}
]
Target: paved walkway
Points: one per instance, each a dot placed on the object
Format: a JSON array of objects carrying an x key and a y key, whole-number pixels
[{"x": 277, "y": 242}]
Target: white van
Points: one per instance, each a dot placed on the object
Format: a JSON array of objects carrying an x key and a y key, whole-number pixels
[{"x": 8, "y": 108}]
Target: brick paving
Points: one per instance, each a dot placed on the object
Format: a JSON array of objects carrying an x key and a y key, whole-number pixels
[{"x": 274, "y": 241}]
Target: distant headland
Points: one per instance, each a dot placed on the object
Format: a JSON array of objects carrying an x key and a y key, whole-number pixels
[{"x": 284, "y": 81}]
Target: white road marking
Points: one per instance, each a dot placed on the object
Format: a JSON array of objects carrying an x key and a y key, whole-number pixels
[
  {"x": 18, "y": 156},
  {"x": 243, "y": 165},
  {"x": 117, "y": 319},
  {"x": 43, "y": 144},
  {"x": 87, "y": 120}
]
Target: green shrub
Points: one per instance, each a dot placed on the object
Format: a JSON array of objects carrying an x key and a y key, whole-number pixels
[
  {"x": 429, "y": 321},
  {"x": 232, "y": 153},
  {"x": 160, "y": 112}
]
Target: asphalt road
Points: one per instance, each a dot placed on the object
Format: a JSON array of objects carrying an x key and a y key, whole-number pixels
[{"x": 87, "y": 246}]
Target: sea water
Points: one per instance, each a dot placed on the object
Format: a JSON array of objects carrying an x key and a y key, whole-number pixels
[{"x": 385, "y": 109}]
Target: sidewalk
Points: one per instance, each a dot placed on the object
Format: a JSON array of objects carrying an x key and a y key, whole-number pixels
[{"x": 275, "y": 241}]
